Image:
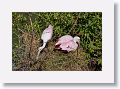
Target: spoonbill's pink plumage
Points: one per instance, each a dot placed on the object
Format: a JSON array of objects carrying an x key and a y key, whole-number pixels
[
  {"x": 68, "y": 43},
  {"x": 46, "y": 36},
  {"x": 64, "y": 39}
]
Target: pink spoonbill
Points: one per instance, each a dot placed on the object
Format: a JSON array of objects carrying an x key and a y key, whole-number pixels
[
  {"x": 68, "y": 43},
  {"x": 46, "y": 36}
]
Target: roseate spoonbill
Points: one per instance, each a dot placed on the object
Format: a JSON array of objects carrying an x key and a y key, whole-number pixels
[
  {"x": 46, "y": 36},
  {"x": 68, "y": 43}
]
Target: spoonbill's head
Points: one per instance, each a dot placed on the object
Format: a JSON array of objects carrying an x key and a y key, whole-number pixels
[{"x": 77, "y": 39}]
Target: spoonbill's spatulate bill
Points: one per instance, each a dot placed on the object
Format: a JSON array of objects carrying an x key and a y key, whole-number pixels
[
  {"x": 68, "y": 43},
  {"x": 46, "y": 36}
]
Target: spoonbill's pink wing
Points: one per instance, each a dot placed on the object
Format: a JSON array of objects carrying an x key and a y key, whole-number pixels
[
  {"x": 69, "y": 46},
  {"x": 64, "y": 39}
]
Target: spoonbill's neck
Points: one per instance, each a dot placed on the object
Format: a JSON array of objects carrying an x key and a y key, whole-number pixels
[
  {"x": 44, "y": 44},
  {"x": 41, "y": 48},
  {"x": 74, "y": 40}
]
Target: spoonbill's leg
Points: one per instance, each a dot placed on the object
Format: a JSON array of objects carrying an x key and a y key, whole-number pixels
[
  {"x": 78, "y": 49},
  {"x": 77, "y": 52}
]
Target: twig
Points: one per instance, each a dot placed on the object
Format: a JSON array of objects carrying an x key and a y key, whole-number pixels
[
  {"x": 75, "y": 23},
  {"x": 31, "y": 37},
  {"x": 31, "y": 22},
  {"x": 21, "y": 30}
]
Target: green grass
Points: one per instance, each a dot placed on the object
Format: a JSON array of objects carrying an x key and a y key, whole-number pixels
[{"x": 27, "y": 29}]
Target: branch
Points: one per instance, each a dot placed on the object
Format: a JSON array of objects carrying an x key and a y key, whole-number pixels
[
  {"x": 75, "y": 23},
  {"x": 31, "y": 37}
]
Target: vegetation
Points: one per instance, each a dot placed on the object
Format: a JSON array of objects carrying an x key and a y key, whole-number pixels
[{"x": 27, "y": 29}]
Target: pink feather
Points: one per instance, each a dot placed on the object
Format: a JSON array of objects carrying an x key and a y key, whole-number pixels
[{"x": 66, "y": 43}]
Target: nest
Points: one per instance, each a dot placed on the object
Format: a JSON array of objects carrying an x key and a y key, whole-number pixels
[{"x": 49, "y": 58}]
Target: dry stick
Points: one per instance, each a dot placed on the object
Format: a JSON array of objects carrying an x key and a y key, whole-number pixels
[
  {"x": 75, "y": 23},
  {"x": 20, "y": 30},
  {"x": 31, "y": 37},
  {"x": 77, "y": 51},
  {"x": 38, "y": 54}
]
